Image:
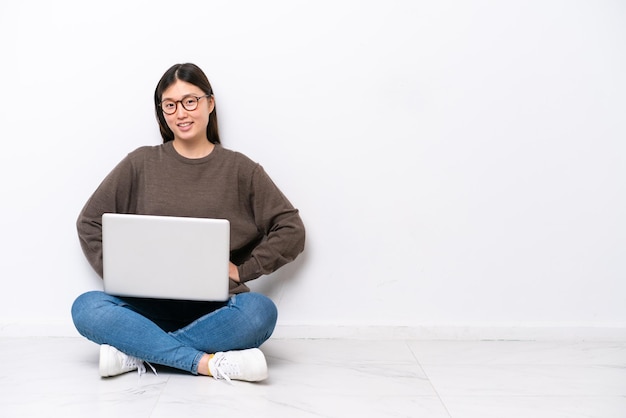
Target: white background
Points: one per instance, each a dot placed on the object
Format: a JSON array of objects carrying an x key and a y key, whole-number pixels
[{"x": 457, "y": 163}]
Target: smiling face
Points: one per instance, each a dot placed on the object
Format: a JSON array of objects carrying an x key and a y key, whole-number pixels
[{"x": 189, "y": 126}]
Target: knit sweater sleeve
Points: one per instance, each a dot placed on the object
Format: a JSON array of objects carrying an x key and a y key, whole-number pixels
[
  {"x": 113, "y": 195},
  {"x": 281, "y": 226}
]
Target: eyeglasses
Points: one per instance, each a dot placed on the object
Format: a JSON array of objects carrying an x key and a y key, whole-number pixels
[{"x": 169, "y": 107}]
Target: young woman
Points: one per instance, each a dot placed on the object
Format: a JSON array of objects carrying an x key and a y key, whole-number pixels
[{"x": 191, "y": 175}]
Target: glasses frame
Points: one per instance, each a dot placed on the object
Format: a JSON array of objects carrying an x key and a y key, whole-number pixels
[{"x": 182, "y": 104}]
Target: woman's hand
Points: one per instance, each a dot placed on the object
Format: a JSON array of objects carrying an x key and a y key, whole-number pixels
[{"x": 233, "y": 273}]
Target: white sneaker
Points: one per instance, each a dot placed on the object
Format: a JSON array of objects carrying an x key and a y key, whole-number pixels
[
  {"x": 246, "y": 365},
  {"x": 114, "y": 362}
]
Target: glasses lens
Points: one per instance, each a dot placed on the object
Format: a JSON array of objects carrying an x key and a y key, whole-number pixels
[
  {"x": 189, "y": 102},
  {"x": 168, "y": 107}
]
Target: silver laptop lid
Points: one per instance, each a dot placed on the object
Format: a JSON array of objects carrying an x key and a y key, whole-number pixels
[{"x": 165, "y": 257}]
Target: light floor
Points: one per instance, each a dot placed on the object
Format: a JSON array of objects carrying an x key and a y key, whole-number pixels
[{"x": 58, "y": 377}]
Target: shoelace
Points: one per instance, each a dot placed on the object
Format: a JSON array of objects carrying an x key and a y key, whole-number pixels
[
  {"x": 223, "y": 369},
  {"x": 132, "y": 362}
]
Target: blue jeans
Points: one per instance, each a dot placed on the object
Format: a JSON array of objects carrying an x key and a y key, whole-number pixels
[{"x": 174, "y": 333}]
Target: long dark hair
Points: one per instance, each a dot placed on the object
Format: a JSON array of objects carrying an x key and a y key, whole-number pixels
[{"x": 192, "y": 74}]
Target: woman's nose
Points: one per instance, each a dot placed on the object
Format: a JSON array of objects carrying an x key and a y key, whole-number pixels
[{"x": 181, "y": 112}]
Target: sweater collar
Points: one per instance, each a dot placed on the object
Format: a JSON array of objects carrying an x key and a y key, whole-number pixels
[{"x": 169, "y": 149}]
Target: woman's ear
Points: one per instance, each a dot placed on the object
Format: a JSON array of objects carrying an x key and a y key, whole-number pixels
[{"x": 211, "y": 103}]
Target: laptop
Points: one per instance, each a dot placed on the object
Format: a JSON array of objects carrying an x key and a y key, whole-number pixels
[{"x": 165, "y": 257}]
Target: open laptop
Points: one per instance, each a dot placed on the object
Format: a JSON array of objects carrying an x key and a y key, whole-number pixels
[{"x": 165, "y": 257}]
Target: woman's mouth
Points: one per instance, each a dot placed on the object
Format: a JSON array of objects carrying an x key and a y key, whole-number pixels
[{"x": 184, "y": 126}]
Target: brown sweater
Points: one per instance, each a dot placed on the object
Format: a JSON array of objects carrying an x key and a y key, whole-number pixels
[{"x": 266, "y": 230}]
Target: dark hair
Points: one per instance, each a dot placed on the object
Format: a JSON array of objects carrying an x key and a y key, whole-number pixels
[{"x": 192, "y": 74}]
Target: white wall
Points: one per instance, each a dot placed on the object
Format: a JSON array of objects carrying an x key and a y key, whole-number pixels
[{"x": 459, "y": 164}]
